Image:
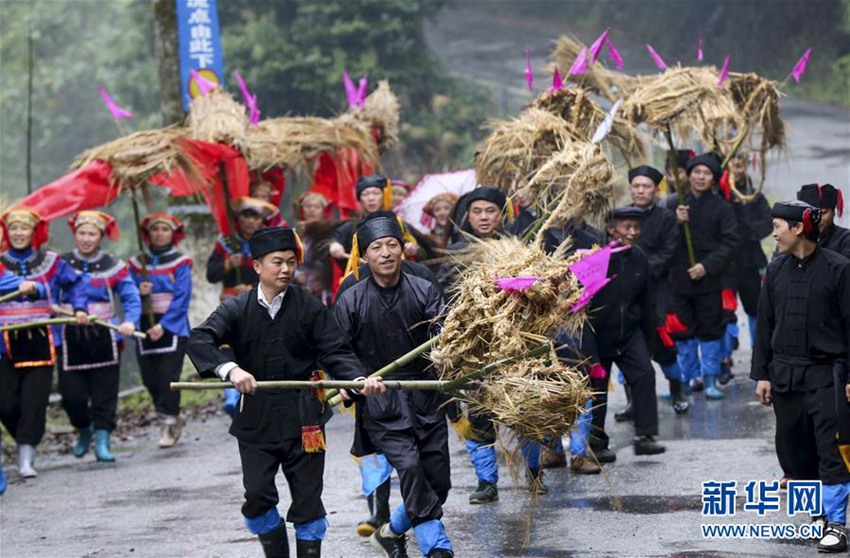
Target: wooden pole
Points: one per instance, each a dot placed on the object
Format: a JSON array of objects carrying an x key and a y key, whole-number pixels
[
  {"x": 147, "y": 303},
  {"x": 432, "y": 385},
  {"x": 65, "y": 321},
  {"x": 673, "y": 162}
]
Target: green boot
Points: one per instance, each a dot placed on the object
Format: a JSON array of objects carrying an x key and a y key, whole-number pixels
[
  {"x": 83, "y": 441},
  {"x": 101, "y": 446}
]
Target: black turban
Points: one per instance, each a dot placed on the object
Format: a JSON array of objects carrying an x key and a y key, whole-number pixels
[{"x": 647, "y": 171}]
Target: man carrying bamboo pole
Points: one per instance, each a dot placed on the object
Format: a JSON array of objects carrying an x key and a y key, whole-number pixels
[
  {"x": 386, "y": 316},
  {"x": 278, "y": 332},
  {"x": 698, "y": 325}
]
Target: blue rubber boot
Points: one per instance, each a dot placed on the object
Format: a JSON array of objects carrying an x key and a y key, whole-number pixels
[
  {"x": 4, "y": 482},
  {"x": 83, "y": 441},
  {"x": 710, "y": 356},
  {"x": 101, "y": 446}
]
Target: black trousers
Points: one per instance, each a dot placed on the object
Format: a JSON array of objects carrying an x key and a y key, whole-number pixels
[
  {"x": 749, "y": 288},
  {"x": 633, "y": 360},
  {"x": 96, "y": 385},
  {"x": 806, "y": 441},
  {"x": 158, "y": 371},
  {"x": 702, "y": 314},
  {"x": 421, "y": 458},
  {"x": 303, "y": 472},
  {"x": 24, "y": 393}
]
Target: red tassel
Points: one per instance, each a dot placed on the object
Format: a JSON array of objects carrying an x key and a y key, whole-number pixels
[
  {"x": 807, "y": 221},
  {"x": 730, "y": 300},
  {"x": 725, "y": 186},
  {"x": 839, "y": 205},
  {"x": 691, "y": 154},
  {"x": 666, "y": 340},
  {"x": 313, "y": 439},
  {"x": 673, "y": 324}
]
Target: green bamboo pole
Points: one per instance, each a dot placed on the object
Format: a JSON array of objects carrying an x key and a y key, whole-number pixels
[
  {"x": 673, "y": 162},
  {"x": 147, "y": 303},
  {"x": 11, "y": 296},
  {"x": 65, "y": 321},
  {"x": 394, "y": 365}
]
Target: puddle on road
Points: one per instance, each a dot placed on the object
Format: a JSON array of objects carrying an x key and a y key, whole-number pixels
[{"x": 167, "y": 494}]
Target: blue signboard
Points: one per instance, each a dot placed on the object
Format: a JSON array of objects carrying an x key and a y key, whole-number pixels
[{"x": 200, "y": 45}]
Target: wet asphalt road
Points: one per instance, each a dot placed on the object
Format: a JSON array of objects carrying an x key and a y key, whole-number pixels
[{"x": 186, "y": 501}]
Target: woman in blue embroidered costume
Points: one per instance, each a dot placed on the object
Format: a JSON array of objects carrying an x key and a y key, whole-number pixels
[
  {"x": 165, "y": 277},
  {"x": 89, "y": 368},
  {"x": 26, "y": 371}
]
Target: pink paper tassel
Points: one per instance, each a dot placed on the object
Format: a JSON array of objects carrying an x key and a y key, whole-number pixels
[
  {"x": 614, "y": 55},
  {"x": 592, "y": 272},
  {"x": 557, "y": 82},
  {"x": 656, "y": 58},
  {"x": 529, "y": 74},
  {"x": 597, "y": 45},
  {"x": 204, "y": 85},
  {"x": 362, "y": 91},
  {"x": 249, "y": 100},
  {"x": 116, "y": 111},
  {"x": 516, "y": 283},
  {"x": 800, "y": 66},
  {"x": 350, "y": 91},
  {"x": 699, "y": 49},
  {"x": 724, "y": 73},
  {"x": 580, "y": 64}
]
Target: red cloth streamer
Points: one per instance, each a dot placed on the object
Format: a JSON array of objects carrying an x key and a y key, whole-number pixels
[
  {"x": 726, "y": 186},
  {"x": 730, "y": 300},
  {"x": 673, "y": 324},
  {"x": 85, "y": 188},
  {"x": 336, "y": 177},
  {"x": 666, "y": 340}
]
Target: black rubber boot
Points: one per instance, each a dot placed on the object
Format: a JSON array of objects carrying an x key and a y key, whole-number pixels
[
  {"x": 626, "y": 414},
  {"x": 308, "y": 549},
  {"x": 677, "y": 397},
  {"x": 379, "y": 508},
  {"x": 275, "y": 544}
]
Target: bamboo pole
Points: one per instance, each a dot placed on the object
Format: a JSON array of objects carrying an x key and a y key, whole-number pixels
[
  {"x": 394, "y": 365},
  {"x": 231, "y": 218},
  {"x": 673, "y": 162},
  {"x": 11, "y": 296},
  {"x": 431, "y": 385},
  {"x": 66, "y": 321},
  {"x": 147, "y": 302}
]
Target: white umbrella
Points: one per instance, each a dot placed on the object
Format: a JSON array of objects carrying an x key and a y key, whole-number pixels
[{"x": 457, "y": 182}]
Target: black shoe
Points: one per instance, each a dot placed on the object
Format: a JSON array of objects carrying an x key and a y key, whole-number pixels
[
  {"x": 604, "y": 455},
  {"x": 681, "y": 407},
  {"x": 696, "y": 385},
  {"x": 677, "y": 397},
  {"x": 388, "y": 543},
  {"x": 646, "y": 445},
  {"x": 379, "y": 507},
  {"x": 834, "y": 539},
  {"x": 725, "y": 372},
  {"x": 441, "y": 553},
  {"x": 484, "y": 494},
  {"x": 535, "y": 482},
  {"x": 275, "y": 544},
  {"x": 308, "y": 549},
  {"x": 625, "y": 415}
]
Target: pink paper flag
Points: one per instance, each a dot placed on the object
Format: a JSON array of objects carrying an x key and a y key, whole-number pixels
[
  {"x": 116, "y": 111},
  {"x": 800, "y": 66},
  {"x": 699, "y": 49},
  {"x": 614, "y": 55},
  {"x": 516, "y": 283},
  {"x": 350, "y": 91},
  {"x": 204, "y": 85},
  {"x": 249, "y": 99},
  {"x": 656, "y": 58},
  {"x": 597, "y": 45},
  {"x": 529, "y": 75},
  {"x": 592, "y": 272},
  {"x": 362, "y": 91},
  {"x": 724, "y": 73},
  {"x": 557, "y": 82},
  {"x": 580, "y": 64}
]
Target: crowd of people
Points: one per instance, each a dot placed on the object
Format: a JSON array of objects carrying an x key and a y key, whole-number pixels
[{"x": 345, "y": 298}]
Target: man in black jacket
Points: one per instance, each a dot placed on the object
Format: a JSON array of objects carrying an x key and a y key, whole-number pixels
[
  {"x": 659, "y": 239},
  {"x": 801, "y": 356},
  {"x": 278, "y": 332},
  {"x": 830, "y": 200},
  {"x": 619, "y": 321},
  {"x": 698, "y": 325},
  {"x": 386, "y": 316}
]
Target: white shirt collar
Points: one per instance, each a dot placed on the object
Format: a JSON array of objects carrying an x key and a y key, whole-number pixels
[{"x": 274, "y": 306}]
